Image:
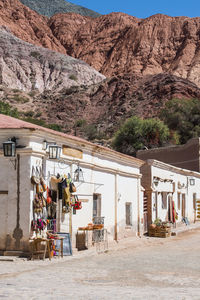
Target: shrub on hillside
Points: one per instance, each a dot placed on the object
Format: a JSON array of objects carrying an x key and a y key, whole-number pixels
[
  {"x": 135, "y": 134},
  {"x": 182, "y": 116}
]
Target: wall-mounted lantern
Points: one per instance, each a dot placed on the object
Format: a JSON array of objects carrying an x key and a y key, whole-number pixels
[
  {"x": 9, "y": 150},
  {"x": 9, "y": 147},
  {"x": 54, "y": 150},
  {"x": 155, "y": 181},
  {"x": 78, "y": 175},
  {"x": 192, "y": 181}
]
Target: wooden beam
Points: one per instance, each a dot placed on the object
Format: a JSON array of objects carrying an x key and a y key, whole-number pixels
[{"x": 84, "y": 200}]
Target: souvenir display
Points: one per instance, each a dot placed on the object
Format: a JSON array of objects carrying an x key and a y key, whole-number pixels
[{"x": 60, "y": 187}]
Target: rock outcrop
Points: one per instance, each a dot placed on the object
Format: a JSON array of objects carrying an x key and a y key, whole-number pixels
[
  {"x": 28, "y": 25},
  {"x": 27, "y": 67},
  {"x": 49, "y": 8},
  {"x": 117, "y": 43},
  {"x": 148, "y": 62},
  {"x": 106, "y": 104},
  {"x": 109, "y": 103},
  {"x": 114, "y": 44}
]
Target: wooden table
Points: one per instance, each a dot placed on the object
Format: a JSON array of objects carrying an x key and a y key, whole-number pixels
[
  {"x": 36, "y": 248},
  {"x": 37, "y": 251}
]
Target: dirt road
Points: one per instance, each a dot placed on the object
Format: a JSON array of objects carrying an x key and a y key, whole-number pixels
[{"x": 146, "y": 268}]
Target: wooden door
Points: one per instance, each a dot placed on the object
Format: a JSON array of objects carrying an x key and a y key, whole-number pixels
[
  {"x": 183, "y": 206},
  {"x": 170, "y": 211}
]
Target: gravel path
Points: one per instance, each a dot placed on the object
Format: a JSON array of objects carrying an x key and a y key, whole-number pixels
[{"x": 146, "y": 268}]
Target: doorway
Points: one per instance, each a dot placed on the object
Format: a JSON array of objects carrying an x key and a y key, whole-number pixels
[{"x": 183, "y": 206}]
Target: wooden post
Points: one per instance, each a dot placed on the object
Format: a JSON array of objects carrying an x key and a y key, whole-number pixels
[{"x": 116, "y": 199}]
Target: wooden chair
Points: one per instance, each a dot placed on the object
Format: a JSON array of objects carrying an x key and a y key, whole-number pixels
[{"x": 36, "y": 248}]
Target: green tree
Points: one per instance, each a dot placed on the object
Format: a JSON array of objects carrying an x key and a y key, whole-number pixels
[
  {"x": 182, "y": 116},
  {"x": 135, "y": 134}
]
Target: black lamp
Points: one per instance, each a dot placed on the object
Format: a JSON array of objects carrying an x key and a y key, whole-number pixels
[
  {"x": 192, "y": 181},
  {"x": 54, "y": 151},
  {"x": 78, "y": 175},
  {"x": 9, "y": 148},
  {"x": 156, "y": 181}
]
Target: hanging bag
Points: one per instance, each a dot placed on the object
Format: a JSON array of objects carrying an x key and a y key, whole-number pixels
[
  {"x": 72, "y": 187},
  {"x": 43, "y": 184},
  {"x": 78, "y": 204},
  {"x": 42, "y": 181},
  {"x": 34, "y": 178},
  {"x": 39, "y": 188},
  {"x": 49, "y": 200}
]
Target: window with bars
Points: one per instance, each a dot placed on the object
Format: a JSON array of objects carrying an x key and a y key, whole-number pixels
[
  {"x": 128, "y": 213},
  {"x": 96, "y": 205}
]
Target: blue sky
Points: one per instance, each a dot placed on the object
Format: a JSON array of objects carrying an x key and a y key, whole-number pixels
[{"x": 144, "y": 8}]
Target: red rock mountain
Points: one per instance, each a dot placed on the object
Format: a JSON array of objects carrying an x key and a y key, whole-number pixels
[
  {"x": 28, "y": 25},
  {"x": 107, "y": 103},
  {"x": 118, "y": 43},
  {"x": 113, "y": 44},
  {"x": 147, "y": 62}
]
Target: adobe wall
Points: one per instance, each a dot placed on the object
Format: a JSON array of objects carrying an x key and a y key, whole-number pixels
[{"x": 183, "y": 156}]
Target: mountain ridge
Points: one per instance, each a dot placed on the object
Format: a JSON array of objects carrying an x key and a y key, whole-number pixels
[
  {"x": 147, "y": 63},
  {"x": 49, "y": 8},
  {"x": 103, "y": 106},
  {"x": 28, "y": 67},
  {"x": 117, "y": 44}
]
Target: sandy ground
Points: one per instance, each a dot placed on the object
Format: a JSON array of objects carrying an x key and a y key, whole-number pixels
[{"x": 146, "y": 268}]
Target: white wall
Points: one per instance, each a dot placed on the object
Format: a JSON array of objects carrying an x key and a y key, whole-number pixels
[
  {"x": 180, "y": 185},
  {"x": 99, "y": 175},
  {"x": 8, "y": 203},
  {"x": 4, "y": 201},
  {"x": 100, "y": 182}
]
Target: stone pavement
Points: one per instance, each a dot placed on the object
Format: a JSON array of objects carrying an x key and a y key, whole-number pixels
[
  {"x": 184, "y": 228},
  {"x": 134, "y": 268}
]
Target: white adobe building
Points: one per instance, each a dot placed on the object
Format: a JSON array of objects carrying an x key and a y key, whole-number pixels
[
  {"x": 111, "y": 186},
  {"x": 165, "y": 183}
]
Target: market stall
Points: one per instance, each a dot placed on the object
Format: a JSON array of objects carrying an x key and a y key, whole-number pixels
[{"x": 48, "y": 192}]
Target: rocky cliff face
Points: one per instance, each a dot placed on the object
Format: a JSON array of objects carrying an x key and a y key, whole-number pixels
[
  {"x": 113, "y": 44},
  {"x": 27, "y": 67},
  {"x": 28, "y": 25},
  {"x": 105, "y": 104},
  {"x": 119, "y": 44},
  {"x": 109, "y": 103},
  {"x": 148, "y": 61},
  {"x": 49, "y": 8}
]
